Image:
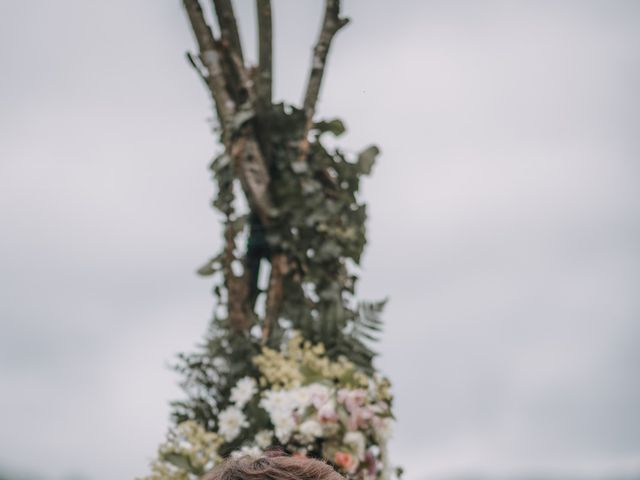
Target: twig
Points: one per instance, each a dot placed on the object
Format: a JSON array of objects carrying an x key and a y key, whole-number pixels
[{"x": 196, "y": 66}]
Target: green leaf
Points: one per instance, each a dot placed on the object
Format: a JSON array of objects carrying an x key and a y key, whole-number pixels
[
  {"x": 329, "y": 249},
  {"x": 335, "y": 126},
  {"x": 367, "y": 158},
  {"x": 211, "y": 267},
  {"x": 318, "y": 222},
  {"x": 239, "y": 223},
  {"x": 220, "y": 162},
  {"x": 178, "y": 460}
]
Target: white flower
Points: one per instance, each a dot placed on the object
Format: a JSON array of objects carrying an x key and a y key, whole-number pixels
[
  {"x": 284, "y": 424},
  {"x": 263, "y": 438},
  {"x": 230, "y": 422},
  {"x": 327, "y": 412},
  {"x": 277, "y": 402},
  {"x": 320, "y": 394},
  {"x": 301, "y": 397},
  {"x": 310, "y": 429},
  {"x": 242, "y": 392},
  {"x": 246, "y": 451},
  {"x": 357, "y": 442}
]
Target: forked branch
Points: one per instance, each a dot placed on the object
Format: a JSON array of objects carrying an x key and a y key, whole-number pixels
[{"x": 243, "y": 148}]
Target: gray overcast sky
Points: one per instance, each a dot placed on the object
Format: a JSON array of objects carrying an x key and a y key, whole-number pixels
[{"x": 504, "y": 224}]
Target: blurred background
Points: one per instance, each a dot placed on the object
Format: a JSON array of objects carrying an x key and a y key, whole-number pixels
[{"x": 504, "y": 226}]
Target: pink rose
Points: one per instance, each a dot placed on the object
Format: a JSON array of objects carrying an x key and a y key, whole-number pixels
[
  {"x": 346, "y": 461},
  {"x": 359, "y": 418},
  {"x": 352, "y": 399}
]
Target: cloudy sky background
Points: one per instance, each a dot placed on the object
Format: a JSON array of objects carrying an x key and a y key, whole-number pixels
[{"x": 505, "y": 225}]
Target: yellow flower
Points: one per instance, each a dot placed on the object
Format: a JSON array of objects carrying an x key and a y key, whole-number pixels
[
  {"x": 189, "y": 449},
  {"x": 302, "y": 362}
]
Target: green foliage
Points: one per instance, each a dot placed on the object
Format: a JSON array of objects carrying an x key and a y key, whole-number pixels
[{"x": 318, "y": 222}]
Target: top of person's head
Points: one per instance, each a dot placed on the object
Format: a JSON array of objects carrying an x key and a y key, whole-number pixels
[{"x": 274, "y": 465}]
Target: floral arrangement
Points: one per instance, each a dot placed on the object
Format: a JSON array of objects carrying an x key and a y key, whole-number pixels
[{"x": 301, "y": 401}]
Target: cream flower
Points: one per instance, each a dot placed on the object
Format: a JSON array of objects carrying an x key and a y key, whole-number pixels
[
  {"x": 263, "y": 438},
  {"x": 356, "y": 442},
  {"x": 310, "y": 429},
  {"x": 327, "y": 412},
  {"x": 251, "y": 452},
  {"x": 243, "y": 391},
  {"x": 320, "y": 394},
  {"x": 230, "y": 422},
  {"x": 284, "y": 425},
  {"x": 278, "y": 402},
  {"x": 301, "y": 397}
]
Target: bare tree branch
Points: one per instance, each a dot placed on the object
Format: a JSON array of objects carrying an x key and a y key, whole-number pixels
[
  {"x": 225, "y": 73},
  {"x": 202, "y": 31},
  {"x": 331, "y": 23},
  {"x": 202, "y": 73},
  {"x": 243, "y": 148},
  {"x": 228, "y": 26},
  {"x": 330, "y": 26},
  {"x": 265, "y": 55},
  {"x": 233, "y": 61},
  {"x": 197, "y": 66},
  {"x": 211, "y": 59},
  {"x": 223, "y": 65}
]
